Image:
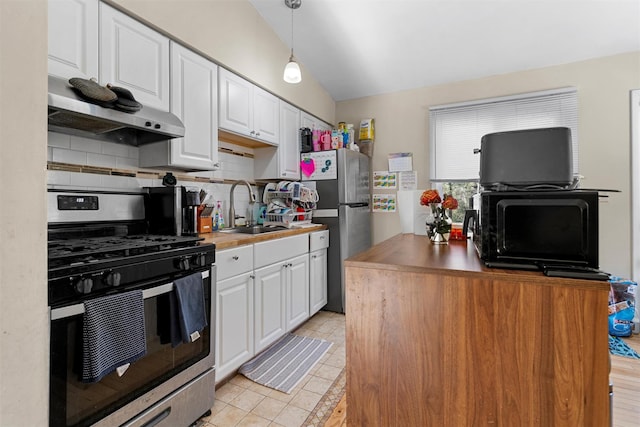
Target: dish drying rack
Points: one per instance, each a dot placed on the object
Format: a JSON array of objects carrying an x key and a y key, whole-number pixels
[{"x": 287, "y": 219}]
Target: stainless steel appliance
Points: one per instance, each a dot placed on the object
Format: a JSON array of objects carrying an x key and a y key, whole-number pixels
[
  {"x": 98, "y": 246},
  {"x": 342, "y": 181},
  {"x": 69, "y": 113},
  {"x": 172, "y": 210}
]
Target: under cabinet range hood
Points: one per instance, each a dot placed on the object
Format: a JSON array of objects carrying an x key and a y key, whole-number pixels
[{"x": 70, "y": 114}]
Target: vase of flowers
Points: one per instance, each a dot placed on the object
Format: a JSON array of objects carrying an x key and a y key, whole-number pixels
[{"x": 439, "y": 226}]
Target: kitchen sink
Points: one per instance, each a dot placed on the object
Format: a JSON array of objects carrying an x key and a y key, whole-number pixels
[{"x": 256, "y": 229}]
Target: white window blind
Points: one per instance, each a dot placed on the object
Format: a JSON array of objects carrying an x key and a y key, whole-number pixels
[{"x": 456, "y": 129}]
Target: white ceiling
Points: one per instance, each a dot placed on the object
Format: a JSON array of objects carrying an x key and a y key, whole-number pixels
[{"x": 357, "y": 48}]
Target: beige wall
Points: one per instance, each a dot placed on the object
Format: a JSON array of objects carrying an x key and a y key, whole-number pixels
[
  {"x": 24, "y": 341},
  {"x": 402, "y": 123},
  {"x": 232, "y": 33}
]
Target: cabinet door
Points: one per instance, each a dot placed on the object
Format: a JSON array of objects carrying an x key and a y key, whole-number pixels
[
  {"x": 312, "y": 122},
  {"x": 289, "y": 148},
  {"x": 317, "y": 281},
  {"x": 235, "y": 103},
  {"x": 270, "y": 305},
  {"x": 266, "y": 110},
  {"x": 194, "y": 99},
  {"x": 73, "y": 38},
  {"x": 234, "y": 324},
  {"x": 135, "y": 57},
  {"x": 307, "y": 121},
  {"x": 297, "y": 275}
]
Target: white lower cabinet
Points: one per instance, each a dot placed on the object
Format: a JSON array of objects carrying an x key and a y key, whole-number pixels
[
  {"x": 234, "y": 309},
  {"x": 264, "y": 292},
  {"x": 234, "y": 324},
  {"x": 269, "y": 311},
  {"x": 297, "y": 285},
  {"x": 281, "y": 299},
  {"x": 317, "y": 280},
  {"x": 318, "y": 244},
  {"x": 282, "y": 274}
]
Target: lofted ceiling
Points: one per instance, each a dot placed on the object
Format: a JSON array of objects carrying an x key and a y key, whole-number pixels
[{"x": 358, "y": 48}]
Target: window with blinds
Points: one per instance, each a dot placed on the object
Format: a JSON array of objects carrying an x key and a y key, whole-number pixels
[{"x": 456, "y": 129}]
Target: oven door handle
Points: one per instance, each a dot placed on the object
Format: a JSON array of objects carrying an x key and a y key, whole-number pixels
[{"x": 74, "y": 310}]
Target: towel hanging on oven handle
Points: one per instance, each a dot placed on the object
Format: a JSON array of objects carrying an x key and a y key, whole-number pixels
[{"x": 76, "y": 309}]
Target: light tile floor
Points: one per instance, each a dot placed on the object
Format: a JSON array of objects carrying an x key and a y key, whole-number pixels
[{"x": 241, "y": 402}]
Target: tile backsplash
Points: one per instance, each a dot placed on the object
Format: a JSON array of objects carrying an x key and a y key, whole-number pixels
[{"x": 76, "y": 150}]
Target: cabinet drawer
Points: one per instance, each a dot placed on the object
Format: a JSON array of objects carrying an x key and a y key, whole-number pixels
[
  {"x": 318, "y": 240},
  {"x": 271, "y": 251},
  {"x": 231, "y": 262}
]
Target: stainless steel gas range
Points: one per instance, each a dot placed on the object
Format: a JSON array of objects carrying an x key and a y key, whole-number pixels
[{"x": 100, "y": 253}]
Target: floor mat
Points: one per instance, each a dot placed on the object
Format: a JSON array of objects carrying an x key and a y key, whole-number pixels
[
  {"x": 618, "y": 347},
  {"x": 286, "y": 362}
]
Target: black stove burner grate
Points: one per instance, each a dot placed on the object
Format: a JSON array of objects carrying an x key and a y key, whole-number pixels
[{"x": 68, "y": 252}]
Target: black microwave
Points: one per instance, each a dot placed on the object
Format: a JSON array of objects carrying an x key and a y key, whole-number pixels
[{"x": 537, "y": 228}]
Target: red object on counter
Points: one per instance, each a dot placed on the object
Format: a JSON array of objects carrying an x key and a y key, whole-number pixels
[
  {"x": 456, "y": 234},
  {"x": 300, "y": 209}
]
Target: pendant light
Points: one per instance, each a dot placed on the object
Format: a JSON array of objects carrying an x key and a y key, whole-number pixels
[{"x": 292, "y": 72}]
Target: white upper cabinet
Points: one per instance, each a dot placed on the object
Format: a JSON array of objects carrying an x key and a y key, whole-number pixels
[
  {"x": 265, "y": 115},
  {"x": 311, "y": 122},
  {"x": 283, "y": 162},
  {"x": 73, "y": 38},
  {"x": 194, "y": 99},
  {"x": 135, "y": 57},
  {"x": 289, "y": 149},
  {"x": 235, "y": 99},
  {"x": 247, "y": 109}
]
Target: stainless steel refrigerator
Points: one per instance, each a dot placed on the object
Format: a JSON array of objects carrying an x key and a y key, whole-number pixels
[{"x": 341, "y": 178}]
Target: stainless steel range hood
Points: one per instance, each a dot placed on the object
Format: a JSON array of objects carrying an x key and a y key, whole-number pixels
[{"x": 70, "y": 114}]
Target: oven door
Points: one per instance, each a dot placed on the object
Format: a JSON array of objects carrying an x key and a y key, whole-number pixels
[{"x": 114, "y": 399}]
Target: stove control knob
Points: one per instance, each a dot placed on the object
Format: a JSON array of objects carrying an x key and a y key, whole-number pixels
[
  {"x": 183, "y": 264},
  {"x": 200, "y": 260},
  {"x": 112, "y": 278},
  {"x": 84, "y": 285}
]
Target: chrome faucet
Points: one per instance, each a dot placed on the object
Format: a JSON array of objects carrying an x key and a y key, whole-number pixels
[{"x": 232, "y": 210}]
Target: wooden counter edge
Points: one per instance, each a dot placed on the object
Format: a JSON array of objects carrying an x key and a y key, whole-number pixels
[
  {"x": 366, "y": 258},
  {"x": 231, "y": 240}
]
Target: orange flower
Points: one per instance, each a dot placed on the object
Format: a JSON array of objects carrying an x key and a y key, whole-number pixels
[
  {"x": 430, "y": 196},
  {"x": 449, "y": 202}
]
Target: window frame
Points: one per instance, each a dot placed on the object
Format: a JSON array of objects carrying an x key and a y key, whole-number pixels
[{"x": 487, "y": 114}]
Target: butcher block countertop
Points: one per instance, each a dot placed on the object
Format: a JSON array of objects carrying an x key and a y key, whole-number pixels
[
  {"x": 434, "y": 338},
  {"x": 409, "y": 252},
  {"x": 230, "y": 240}
]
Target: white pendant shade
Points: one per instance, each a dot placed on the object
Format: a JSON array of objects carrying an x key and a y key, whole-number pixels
[{"x": 292, "y": 72}]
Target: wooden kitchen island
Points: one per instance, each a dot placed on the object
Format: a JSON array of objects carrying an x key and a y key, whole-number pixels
[{"x": 434, "y": 338}]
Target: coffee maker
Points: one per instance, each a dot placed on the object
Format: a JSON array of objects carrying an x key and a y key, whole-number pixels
[{"x": 172, "y": 210}]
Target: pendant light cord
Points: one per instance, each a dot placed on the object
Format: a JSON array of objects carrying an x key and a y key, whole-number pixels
[{"x": 292, "y": 32}]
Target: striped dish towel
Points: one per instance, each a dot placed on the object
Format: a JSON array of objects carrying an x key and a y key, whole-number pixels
[{"x": 113, "y": 334}]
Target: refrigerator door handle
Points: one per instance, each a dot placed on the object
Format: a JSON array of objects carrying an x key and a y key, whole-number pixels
[
  {"x": 325, "y": 213},
  {"x": 355, "y": 205}
]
